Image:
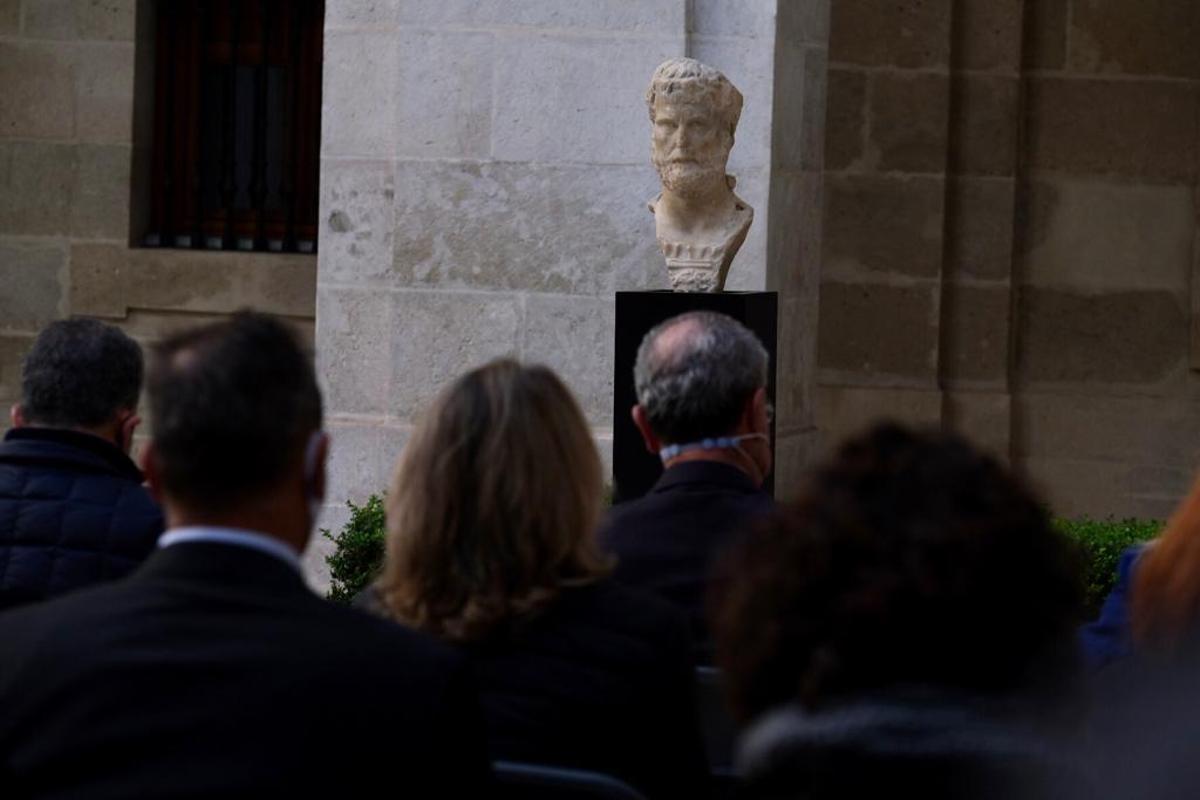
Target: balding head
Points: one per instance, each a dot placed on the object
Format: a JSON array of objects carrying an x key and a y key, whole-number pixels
[
  {"x": 234, "y": 404},
  {"x": 695, "y": 373},
  {"x": 676, "y": 338}
]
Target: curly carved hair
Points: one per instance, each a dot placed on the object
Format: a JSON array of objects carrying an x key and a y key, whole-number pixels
[
  {"x": 911, "y": 558},
  {"x": 688, "y": 76}
]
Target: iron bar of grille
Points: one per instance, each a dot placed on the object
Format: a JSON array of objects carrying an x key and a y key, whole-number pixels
[
  {"x": 171, "y": 23},
  {"x": 229, "y": 125},
  {"x": 199, "y": 58},
  {"x": 258, "y": 186},
  {"x": 197, "y": 55},
  {"x": 154, "y": 236},
  {"x": 183, "y": 137},
  {"x": 291, "y": 135},
  {"x": 310, "y": 130}
]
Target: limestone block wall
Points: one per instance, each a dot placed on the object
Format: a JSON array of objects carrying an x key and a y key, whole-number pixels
[
  {"x": 1107, "y": 417},
  {"x": 796, "y": 198},
  {"x": 884, "y": 215},
  {"x": 1010, "y": 236},
  {"x": 67, "y": 189},
  {"x": 485, "y": 172}
]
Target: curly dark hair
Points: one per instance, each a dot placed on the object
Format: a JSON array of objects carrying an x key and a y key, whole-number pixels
[
  {"x": 910, "y": 558},
  {"x": 80, "y": 373}
]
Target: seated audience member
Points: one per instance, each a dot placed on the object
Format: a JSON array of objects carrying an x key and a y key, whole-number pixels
[
  {"x": 1154, "y": 607},
  {"x": 702, "y": 407},
  {"x": 72, "y": 508},
  {"x": 491, "y": 545},
  {"x": 1107, "y": 639},
  {"x": 1165, "y": 596},
  {"x": 902, "y": 630},
  {"x": 212, "y": 670},
  {"x": 1146, "y": 706}
]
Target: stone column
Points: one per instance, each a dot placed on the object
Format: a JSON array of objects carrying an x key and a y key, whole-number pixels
[
  {"x": 885, "y": 162},
  {"x": 485, "y": 168},
  {"x": 794, "y": 224},
  {"x": 775, "y": 52},
  {"x": 977, "y": 300}
]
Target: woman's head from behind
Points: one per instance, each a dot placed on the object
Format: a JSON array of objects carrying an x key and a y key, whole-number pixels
[
  {"x": 909, "y": 559},
  {"x": 494, "y": 503}
]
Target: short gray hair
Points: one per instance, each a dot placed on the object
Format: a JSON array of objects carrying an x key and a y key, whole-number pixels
[{"x": 696, "y": 385}]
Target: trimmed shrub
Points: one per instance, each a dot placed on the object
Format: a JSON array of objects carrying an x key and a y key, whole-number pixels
[
  {"x": 358, "y": 552},
  {"x": 1102, "y": 542},
  {"x": 359, "y": 547}
]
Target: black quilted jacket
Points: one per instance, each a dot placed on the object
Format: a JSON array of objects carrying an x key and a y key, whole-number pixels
[{"x": 72, "y": 513}]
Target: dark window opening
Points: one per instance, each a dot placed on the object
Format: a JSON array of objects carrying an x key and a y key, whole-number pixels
[{"x": 237, "y": 125}]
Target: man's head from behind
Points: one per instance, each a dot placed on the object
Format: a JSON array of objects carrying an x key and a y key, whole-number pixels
[
  {"x": 81, "y": 375},
  {"x": 236, "y": 413},
  {"x": 703, "y": 375}
]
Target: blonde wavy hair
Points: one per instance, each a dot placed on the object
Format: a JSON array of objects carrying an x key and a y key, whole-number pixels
[{"x": 494, "y": 504}]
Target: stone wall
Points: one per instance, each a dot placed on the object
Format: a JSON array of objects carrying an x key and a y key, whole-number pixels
[
  {"x": 1009, "y": 236},
  {"x": 1006, "y": 192},
  {"x": 67, "y": 145},
  {"x": 1107, "y": 416},
  {"x": 794, "y": 236},
  {"x": 884, "y": 217},
  {"x": 485, "y": 167},
  {"x": 485, "y": 172}
]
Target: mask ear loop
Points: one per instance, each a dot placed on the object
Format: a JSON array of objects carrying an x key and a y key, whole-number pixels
[
  {"x": 738, "y": 446},
  {"x": 310, "y": 456}
]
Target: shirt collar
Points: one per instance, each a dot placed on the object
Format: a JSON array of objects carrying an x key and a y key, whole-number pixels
[
  {"x": 707, "y": 472},
  {"x": 234, "y": 536}
]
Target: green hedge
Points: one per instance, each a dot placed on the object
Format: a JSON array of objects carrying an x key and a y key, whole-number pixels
[
  {"x": 1102, "y": 542},
  {"x": 359, "y": 550}
]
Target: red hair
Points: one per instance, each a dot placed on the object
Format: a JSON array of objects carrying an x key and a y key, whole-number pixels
[{"x": 1165, "y": 606}]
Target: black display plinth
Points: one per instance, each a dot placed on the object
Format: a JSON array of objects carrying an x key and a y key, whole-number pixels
[{"x": 634, "y": 469}]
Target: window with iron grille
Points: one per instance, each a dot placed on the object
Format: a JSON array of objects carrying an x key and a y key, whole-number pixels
[{"x": 236, "y": 125}]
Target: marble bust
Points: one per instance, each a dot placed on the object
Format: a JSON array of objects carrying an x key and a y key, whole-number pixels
[{"x": 700, "y": 223}]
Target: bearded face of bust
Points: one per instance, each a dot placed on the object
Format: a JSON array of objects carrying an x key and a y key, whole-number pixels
[
  {"x": 690, "y": 143},
  {"x": 698, "y": 221}
]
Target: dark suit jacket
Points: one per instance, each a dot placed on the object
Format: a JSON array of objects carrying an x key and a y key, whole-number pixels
[
  {"x": 601, "y": 680},
  {"x": 668, "y": 541},
  {"x": 213, "y": 671},
  {"x": 72, "y": 513}
]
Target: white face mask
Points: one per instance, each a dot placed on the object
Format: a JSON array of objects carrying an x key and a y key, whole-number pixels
[{"x": 310, "y": 477}]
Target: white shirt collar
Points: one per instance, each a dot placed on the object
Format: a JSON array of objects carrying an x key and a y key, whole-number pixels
[{"x": 234, "y": 536}]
